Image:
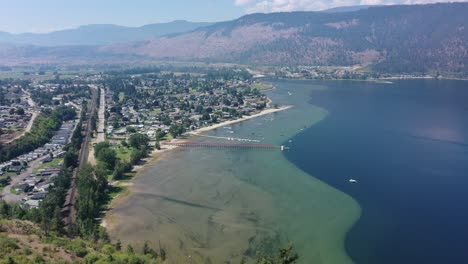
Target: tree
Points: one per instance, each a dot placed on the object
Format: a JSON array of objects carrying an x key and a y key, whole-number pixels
[
  {"x": 20, "y": 111},
  {"x": 108, "y": 156},
  {"x": 100, "y": 146},
  {"x": 118, "y": 245},
  {"x": 131, "y": 129},
  {"x": 177, "y": 130},
  {"x": 138, "y": 141},
  {"x": 130, "y": 249}
]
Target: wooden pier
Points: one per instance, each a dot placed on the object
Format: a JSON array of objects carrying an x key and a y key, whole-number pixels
[{"x": 222, "y": 145}]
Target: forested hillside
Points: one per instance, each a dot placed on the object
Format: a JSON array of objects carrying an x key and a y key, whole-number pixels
[{"x": 417, "y": 38}]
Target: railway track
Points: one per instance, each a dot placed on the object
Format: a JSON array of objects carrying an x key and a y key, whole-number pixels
[{"x": 69, "y": 206}]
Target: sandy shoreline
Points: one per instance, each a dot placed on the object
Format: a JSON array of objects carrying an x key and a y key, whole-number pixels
[
  {"x": 230, "y": 122},
  {"x": 166, "y": 148},
  {"x": 156, "y": 154}
]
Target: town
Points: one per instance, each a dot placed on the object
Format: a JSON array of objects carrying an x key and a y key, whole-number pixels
[{"x": 159, "y": 105}]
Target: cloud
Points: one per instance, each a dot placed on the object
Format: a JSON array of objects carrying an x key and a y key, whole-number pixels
[
  {"x": 285, "y": 5},
  {"x": 415, "y": 2},
  {"x": 267, "y": 6},
  {"x": 242, "y": 2}
]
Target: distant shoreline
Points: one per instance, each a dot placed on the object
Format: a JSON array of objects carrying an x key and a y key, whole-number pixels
[{"x": 378, "y": 80}]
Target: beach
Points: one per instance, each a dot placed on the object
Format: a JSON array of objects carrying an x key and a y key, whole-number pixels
[
  {"x": 221, "y": 205},
  {"x": 156, "y": 154}
]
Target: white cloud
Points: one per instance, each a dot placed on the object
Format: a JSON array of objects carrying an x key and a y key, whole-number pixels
[
  {"x": 414, "y": 2},
  {"x": 267, "y": 6},
  {"x": 242, "y": 2}
]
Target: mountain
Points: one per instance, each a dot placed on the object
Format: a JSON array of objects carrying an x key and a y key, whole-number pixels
[
  {"x": 394, "y": 39},
  {"x": 100, "y": 34},
  {"x": 403, "y": 38}
]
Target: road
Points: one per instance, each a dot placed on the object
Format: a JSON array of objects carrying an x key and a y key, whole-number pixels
[
  {"x": 7, "y": 196},
  {"x": 100, "y": 127},
  {"x": 31, "y": 121}
]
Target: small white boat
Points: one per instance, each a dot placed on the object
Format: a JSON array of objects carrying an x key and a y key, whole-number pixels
[
  {"x": 352, "y": 181},
  {"x": 289, "y": 93}
]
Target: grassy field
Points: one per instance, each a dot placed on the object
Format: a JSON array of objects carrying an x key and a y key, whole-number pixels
[
  {"x": 261, "y": 86},
  {"x": 155, "y": 111},
  {"x": 123, "y": 153},
  {"x": 121, "y": 96}
]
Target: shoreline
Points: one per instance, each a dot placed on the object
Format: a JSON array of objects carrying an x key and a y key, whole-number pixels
[
  {"x": 242, "y": 119},
  {"x": 201, "y": 130},
  {"x": 380, "y": 79},
  {"x": 157, "y": 154}
]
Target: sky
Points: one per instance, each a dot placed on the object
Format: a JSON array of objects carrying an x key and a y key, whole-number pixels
[{"x": 40, "y": 16}]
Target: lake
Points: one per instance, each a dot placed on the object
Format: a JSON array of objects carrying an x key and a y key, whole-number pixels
[{"x": 404, "y": 143}]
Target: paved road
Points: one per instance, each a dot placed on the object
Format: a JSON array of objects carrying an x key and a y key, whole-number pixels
[
  {"x": 100, "y": 127},
  {"x": 6, "y": 192}
]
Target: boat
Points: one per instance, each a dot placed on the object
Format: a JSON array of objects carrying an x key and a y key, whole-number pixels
[{"x": 352, "y": 181}]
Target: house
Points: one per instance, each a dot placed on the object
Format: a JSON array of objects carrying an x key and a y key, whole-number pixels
[
  {"x": 32, "y": 203},
  {"x": 38, "y": 196},
  {"x": 16, "y": 169},
  {"x": 47, "y": 159},
  {"x": 43, "y": 187},
  {"x": 23, "y": 187}
]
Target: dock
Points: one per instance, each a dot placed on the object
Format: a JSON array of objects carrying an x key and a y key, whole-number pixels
[{"x": 222, "y": 145}]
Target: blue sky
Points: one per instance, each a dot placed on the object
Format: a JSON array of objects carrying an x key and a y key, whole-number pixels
[{"x": 48, "y": 15}]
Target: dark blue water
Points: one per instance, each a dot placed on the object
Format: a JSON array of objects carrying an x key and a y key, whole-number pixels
[{"x": 407, "y": 145}]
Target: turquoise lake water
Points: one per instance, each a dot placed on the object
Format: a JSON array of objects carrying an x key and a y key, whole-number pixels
[
  {"x": 219, "y": 205},
  {"x": 405, "y": 143}
]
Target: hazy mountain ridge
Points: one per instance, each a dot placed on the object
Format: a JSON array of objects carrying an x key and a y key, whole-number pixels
[
  {"x": 417, "y": 38},
  {"x": 100, "y": 34},
  {"x": 399, "y": 39}
]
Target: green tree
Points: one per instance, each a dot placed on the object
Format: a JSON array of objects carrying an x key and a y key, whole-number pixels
[
  {"x": 100, "y": 146},
  {"x": 138, "y": 141},
  {"x": 107, "y": 156},
  {"x": 130, "y": 249},
  {"x": 118, "y": 245}
]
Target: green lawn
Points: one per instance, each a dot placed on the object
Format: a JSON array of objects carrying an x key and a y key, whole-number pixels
[
  {"x": 121, "y": 96},
  {"x": 155, "y": 111},
  {"x": 123, "y": 153},
  {"x": 261, "y": 86}
]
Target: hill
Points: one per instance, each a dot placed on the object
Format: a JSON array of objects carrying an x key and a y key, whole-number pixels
[
  {"x": 393, "y": 39},
  {"x": 24, "y": 242},
  {"x": 100, "y": 34},
  {"x": 409, "y": 38}
]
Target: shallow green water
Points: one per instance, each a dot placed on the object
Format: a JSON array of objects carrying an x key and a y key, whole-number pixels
[{"x": 217, "y": 205}]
